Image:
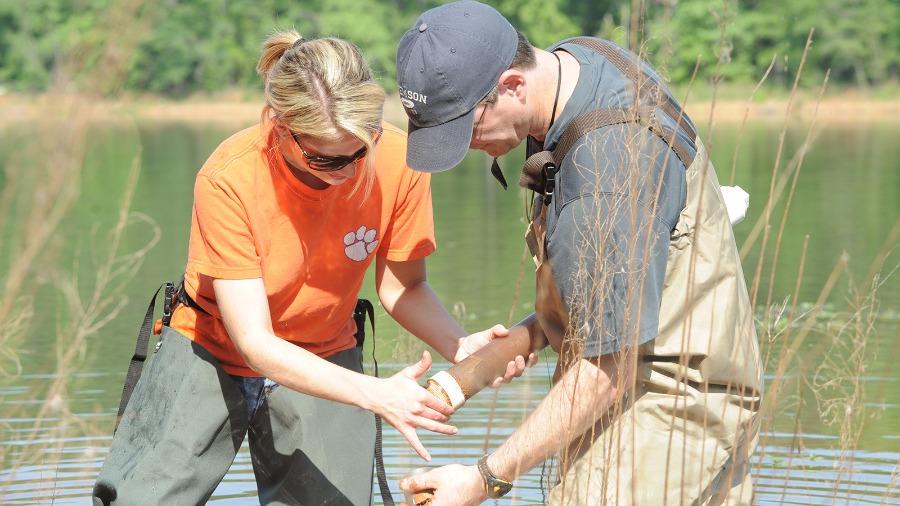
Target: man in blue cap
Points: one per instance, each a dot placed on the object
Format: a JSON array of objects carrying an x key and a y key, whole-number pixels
[{"x": 639, "y": 284}]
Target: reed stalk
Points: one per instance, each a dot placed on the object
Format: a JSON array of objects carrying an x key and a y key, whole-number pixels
[{"x": 43, "y": 179}]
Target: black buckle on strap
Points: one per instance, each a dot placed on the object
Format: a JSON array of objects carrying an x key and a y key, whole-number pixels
[
  {"x": 169, "y": 303},
  {"x": 550, "y": 170}
]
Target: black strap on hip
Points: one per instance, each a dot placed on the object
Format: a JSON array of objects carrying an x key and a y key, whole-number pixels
[
  {"x": 365, "y": 309},
  {"x": 143, "y": 340},
  {"x": 184, "y": 298}
]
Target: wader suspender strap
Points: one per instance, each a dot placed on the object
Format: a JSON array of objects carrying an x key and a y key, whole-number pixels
[
  {"x": 539, "y": 172},
  {"x": 365, "y": 309},
  {"x": 143, "y": 341},
  {"x": 646, "y": 87}
]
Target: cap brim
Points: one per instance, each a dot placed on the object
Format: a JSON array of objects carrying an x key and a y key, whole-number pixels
[{"x": 441, "y": 147}]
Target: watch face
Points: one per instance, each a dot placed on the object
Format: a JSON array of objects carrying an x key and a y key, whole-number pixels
[{"x": 498, "y": 489}]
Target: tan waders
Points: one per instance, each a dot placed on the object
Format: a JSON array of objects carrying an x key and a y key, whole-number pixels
[{"x": 685, "y": 434}]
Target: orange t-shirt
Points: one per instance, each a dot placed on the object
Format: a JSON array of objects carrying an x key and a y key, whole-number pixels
[{"x": 253, "y": 219}]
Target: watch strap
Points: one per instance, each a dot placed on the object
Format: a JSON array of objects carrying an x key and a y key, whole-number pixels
[{"x": 495, "y": 486}]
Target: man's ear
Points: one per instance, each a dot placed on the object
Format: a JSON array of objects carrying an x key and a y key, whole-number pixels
[{"x": 512, "y": 81}]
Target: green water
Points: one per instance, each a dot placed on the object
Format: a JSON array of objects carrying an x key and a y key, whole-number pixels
[{"x": 846, "y": 200}]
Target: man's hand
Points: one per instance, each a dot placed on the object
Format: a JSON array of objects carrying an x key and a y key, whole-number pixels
[
  {"x": 452, "y": 485},
  {"x": 474, "y": 342}
]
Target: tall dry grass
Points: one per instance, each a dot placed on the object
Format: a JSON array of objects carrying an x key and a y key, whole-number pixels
[
  {"x": 42, "y": 182},
  {"x": 817, "y": 355}
]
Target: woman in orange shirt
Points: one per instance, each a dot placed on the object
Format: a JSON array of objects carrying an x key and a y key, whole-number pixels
[{"x": 288, "y": 215}]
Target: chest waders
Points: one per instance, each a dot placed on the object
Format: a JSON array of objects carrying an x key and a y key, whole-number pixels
[
  {"x": 691, "y": 421},
  {"x": 173, "y": 296}
]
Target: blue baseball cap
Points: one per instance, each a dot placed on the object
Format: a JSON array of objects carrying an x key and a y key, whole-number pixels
[{"x": 447, "y": 63}]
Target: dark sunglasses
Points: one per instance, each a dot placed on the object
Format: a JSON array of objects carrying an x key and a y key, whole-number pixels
[{"x": 333, "y": 163}]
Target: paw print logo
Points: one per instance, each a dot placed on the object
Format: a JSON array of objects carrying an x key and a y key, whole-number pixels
[{"x": 360, "y": 244}]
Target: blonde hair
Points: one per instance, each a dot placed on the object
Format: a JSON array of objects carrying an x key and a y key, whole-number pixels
[{"x": 322, "y": 88}]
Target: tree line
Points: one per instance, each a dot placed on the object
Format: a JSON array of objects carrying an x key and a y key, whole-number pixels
[{"x": 176, "y": 48}]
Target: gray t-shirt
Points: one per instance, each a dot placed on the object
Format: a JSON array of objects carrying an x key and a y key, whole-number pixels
[{"x": 619, "y": 193}]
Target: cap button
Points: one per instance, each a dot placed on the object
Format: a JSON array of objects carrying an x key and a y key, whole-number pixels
[{"x": 423, "y": 27}]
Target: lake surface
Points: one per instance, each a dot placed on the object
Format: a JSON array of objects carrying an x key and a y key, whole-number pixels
[{"x": 831, "y": 433}]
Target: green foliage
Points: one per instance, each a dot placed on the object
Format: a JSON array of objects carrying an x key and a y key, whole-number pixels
[
  {"x": 29, "y": 51},
  {"x": 543, "y": 21},
  {"x": 373, "y": 26},
  {"x": 859, "y": 41},
  {"x": 590, "y": 16},
  {"x": 181, "y": 47}
]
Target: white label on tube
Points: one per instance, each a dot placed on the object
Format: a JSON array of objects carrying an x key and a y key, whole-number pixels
[{"x": 451, "y": 387}]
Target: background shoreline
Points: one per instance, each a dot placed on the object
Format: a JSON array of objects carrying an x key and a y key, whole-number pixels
[{"x": 849, "y": 107}]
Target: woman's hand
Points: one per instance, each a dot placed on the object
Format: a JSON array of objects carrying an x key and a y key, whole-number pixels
[
  {"x": 406, "y": 405},
  {"x": 474, "y": 342}
]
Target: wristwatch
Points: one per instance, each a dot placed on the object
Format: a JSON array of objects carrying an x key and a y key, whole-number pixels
[{"x": 495, "y": 486}]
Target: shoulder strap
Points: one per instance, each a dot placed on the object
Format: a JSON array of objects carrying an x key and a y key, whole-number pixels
[
  {"x": 540, "y": 168},
  {"x": 140, "y": 349},
  {"x": 629, "y": 65}
]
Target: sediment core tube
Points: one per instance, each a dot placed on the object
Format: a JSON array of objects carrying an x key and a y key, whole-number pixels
[{"x": 461, "y": 381}]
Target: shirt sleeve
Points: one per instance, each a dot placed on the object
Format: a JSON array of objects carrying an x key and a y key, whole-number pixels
[
  {"x": 410, "y": 233},
  {"x": 222, "y": 244},
  {"x": 612, "y": 283}
]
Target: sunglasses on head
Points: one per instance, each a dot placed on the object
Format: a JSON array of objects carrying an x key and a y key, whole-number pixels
[{"x": 333, "y": 163}]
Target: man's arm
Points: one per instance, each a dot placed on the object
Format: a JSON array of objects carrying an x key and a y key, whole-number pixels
[{"x": 584, "y": 393}]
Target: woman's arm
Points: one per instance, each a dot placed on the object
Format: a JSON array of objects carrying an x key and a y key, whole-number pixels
[
  {"x": 398, "y": 399},
  {"x": 406, "y": 295}
]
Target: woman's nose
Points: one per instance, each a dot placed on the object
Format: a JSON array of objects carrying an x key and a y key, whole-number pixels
[{"x": 349, "y": 170}]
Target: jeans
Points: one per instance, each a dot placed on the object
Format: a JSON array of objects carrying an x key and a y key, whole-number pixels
[{"x": 255, "y": 391}]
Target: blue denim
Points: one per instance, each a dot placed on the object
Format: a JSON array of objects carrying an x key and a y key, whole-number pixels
[{"x": 255, "y": 391}]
